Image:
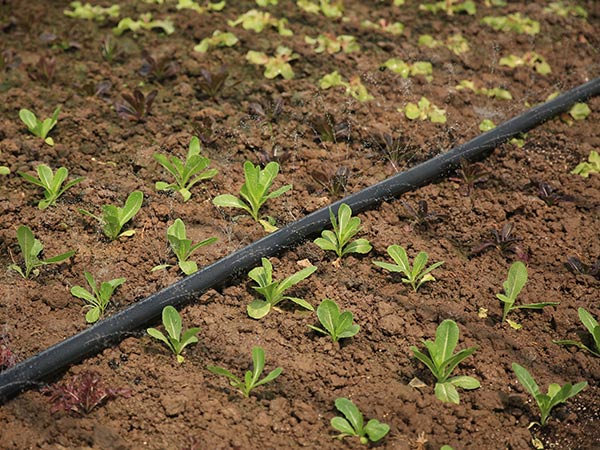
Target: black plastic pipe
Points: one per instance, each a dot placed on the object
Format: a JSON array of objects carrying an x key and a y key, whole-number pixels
[{"x": 110, "y": 330}]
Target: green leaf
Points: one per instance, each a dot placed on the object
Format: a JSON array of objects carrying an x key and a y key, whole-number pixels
[
  {"x": 80, "y": 292},
  {"x": 229, "y": 201},
  {"x": 132, "y": 206},
  {"x": 296, "y": 278},
  {"x": 465, "y": 382},
  {"x": 301, "y": 302},
  {"x": 257, "y": 309},
  {"x": 29, "y": 119},
  {"x": 376, "y": 430},
  {"x": 188, "y": 267},
  {"x": 172, "y": 322},
  {"x": 158, "y": 335},
  {"x": 328, "y": 313},
  {"x": 93, "y": 314},
  {"x": 351, "y": 412},
  {"x": 342, "y": 425},
  {"x": 224, "y": 372},
  {"x": 526, "y": 379},
  {"x": 446, "y": 339},
  {"x": 447, "y": 393}
]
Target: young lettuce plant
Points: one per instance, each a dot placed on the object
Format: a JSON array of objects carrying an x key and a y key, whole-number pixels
[
  {"x": 591, "y": 166},
  {"x": 145, "y": 22},
  {"x": 517, "y": 277},
  {"x": 183, "y": 248},
  {"x": 255, "y": 191},
  {"x": 274, "y": 65},
  {"x": 51, "y": 183},
  {"x": 442, "y": 361},
  {"x": 40, "y": 128},
  {"x": 257, "y": 21},
  {"x": 186, "y": 173},
  {"x": 592, "y": 326},
  {"x": 252, "y": 378},
  {"x": 556, "y": 394},
  {"x": 337, "y": 325},
  {"x": 415, "y": 275},
  {"x": 31, "y": 249},
  {"x": 273, "y": 291},
  {"x": 354, "y": 86},
  {"x": 98, "y": 298},
  {"x": 353, "y": 423},
  {"x": 175, "y": 341},
  {"x": 218, "y": 39},
  {"x": 345, "y": 227},
  {"x": 424, "y": 110},
  {"x": 92, "y": 12},
  {"x": 114, "y": 218}
]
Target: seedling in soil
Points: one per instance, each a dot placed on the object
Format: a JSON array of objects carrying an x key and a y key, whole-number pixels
[
  {"x": 515, "y": 23},
  {"x": 274, "y": 65},
  {"x": 159, "y": 69},
  {"x": 499, "y": 93},
  {"x": 450, "y": 8},
  {"x": 135, "y": 106},
  {"x": 586, "y": 168},
  {"x": 591, "y": 324},
  {"x": 40, "y": 128},
  {"x": 424, "y": 110},
  {"x": 550, "y": 195},
  {"x": 114, "y": 218},
  {"x": 418, "y": 68},
  {"x": 186, "y": 173},
  {"x": 335, "y": 182},
  {"x": 4, "y": 170},
  {"x": 327, "y": 129},
  {"x": 9, "y": 60},
  {"x": 259, "y": 20},
  {"x": 335, "y": 324},
  {"x": 251, "y": 378},
  {"x": 273, "y": 291},
  {"x": 517, "y": 277},
  {"x": 183, "y": 248},
  {"x": 556, "y": 394},
  {"x": 345, "y": 227},
  {"x": 415, "y": 275},
  {"x": 394, "y": 149},
  {"x": 145, "y": 22},
  {"x": 175, "y": 341},
  {"x": 333, "y": 44},
  {"x": 529, "y": 59},
  {"x": 470, "y": 174},
  {"x": 267, "y": 111},
  {"x": 333, "y": 9},
  {"x": 267, "y": 2},
  {"x": 31, "y": 249},
  {"x": 98, "y": 298},
  {"x": 212, "y": 83},
  {"x": 90, "y": 12},
  {"x": 421, "y": 217},
  {"x": 218, "y": 39},
  {"x": 505, "y": 241},
  {"x": 580, "y": 111},
  {"x": 51, "y": 183},
  {"x": 562, "y": 10},
  {"x": 442, "y": 361},
  {"x": 456, "y": 43},
  {"x": 7, "y": 356},
  {"x": 191, "y": 4},
  {"x": 575, "y": 265},
  {"x": 255, "y": 191},
  {"x": 353, "y": 423},
  {"x": 109, "y": 48},
  {"x": 82, "y": 393},
  {"x": 43, "y": 71},
  {"x": 355, "y": 88},
  {"x": 395, "y": 28}
]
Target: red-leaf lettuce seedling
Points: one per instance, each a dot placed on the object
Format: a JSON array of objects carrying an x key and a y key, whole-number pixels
[
  {"x": 353, "y": 424},
  {"x": 40, "y": 128},
  {"x": 175, "y": 341},
  {"x": 51, "y": 183},
  {"x": 441, "y": 361},
  {"x": 556, "y": 394},
  {"x": 113, "y": 218},
  {"x": 99, "y": 297},
  {"x": 336, "y": 325},
  {"x": 251, "y": 378},
  {"x": 135, "y": 106},
  {"x": 592, "y": 326},
  {"x": 31, "y": 248}
]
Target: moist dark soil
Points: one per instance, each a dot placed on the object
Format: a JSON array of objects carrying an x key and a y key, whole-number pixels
[{"x": 177, "y": 406}]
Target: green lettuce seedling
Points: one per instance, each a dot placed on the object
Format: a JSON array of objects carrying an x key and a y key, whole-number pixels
[
  {"x": 218, "y": 39},
  {"x": 183, "y": 248},
  {"x": 456, "y": 43},
  {"x": 175, "y": 341},
  {"x": 560, "y": 9},
  {"x": 51, "y": 183},
  {"x": 31, "y": 249},
  {"x": 40, "y": 128},
  {"x": 354, "y": 87},
  {"x": 273, "y": 291},
  {"x": 592, "y": 166},
  {"x": 424, "y": 110},
  {"x": 394, "y": 28},
  {"x": 498, "y": 93},
  {"x": 517, "y": 277},
  {"x": 254, "y": 192},
  {"x": 328, "y": 8},
  {"x": 186, "y": 173},
  {"x": 530, "y": 59},
  {"x": 333, "y": 44},
  {"x": 145, "y": 22},
  {"x": 345, "y": 227},
  {"x": 405, "y": 70},
  {"x": 337, "y": 325},
  {"x": 113, "y": 218},
  {"x": 592, "y": 326},
  {"x": 442, "y": 361},
  {"x": 257, "y": 21},
  {"x": 515, "y": 23},
  {"x": 274, "y": 65},
  {"x": 450, "y": 8},
  {"x": 353, "y": 423},
  {"x": 252, "y": 378},
  {"x": 98, "y": 298},
  {"x": 191, "y": 4},
  {"x": 556, "y": 394},
  {"x": 415, "y": 275},
  {"x": 580, "y": 111},
  {"x": 92, "y": 12}
]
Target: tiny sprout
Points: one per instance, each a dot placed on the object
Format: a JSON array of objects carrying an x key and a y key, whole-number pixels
[
  {"x": 505, "y": 241},
  {"x": 591, "y": 166},
  {"x": 52, "y": 183},
  {"x": 421, "y": 217},
  {"x": 327, "y": 129},
  {"x": 337, "y": 325},
  {"x": 470, "y": 174},
  {"x": 212, "y": 83},
  {"x": 175, "y": 341},
  {"x": 334, "y": 181},
  {"x": 98, "y": 298},
  {"x": 40, "y": 128},
  {"x": 135, "y": 106},
  {"x": 353, "y": 423},
  {"x": 276, "y": 65},
  {"x": 44, "y": 70},
  {"x": 424, "y": 110},
  {"x": 159, "y": 69},
  {"x": 218, "y": 39}
]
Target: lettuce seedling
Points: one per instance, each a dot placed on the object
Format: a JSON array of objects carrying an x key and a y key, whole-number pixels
[
  {"x": 345, "y": 227},
  {"x": 114, "y": 218},
  {"x": 109, "y": 48},
  {"x": 556, "y": 394},
  {"x": 515, "y": 23},
  {"x": 353, "y": 424},
  {"x": 578, "y": 267},
  {"x": 38, "y": 127},
  {"x": 212, "y": 83},
  {"x": 405, "y": 70},
  {"x": 327, "y": 129},
  {"x": 251, "y": 378},
  {"x": 449, "y": 8},
  {"x": 135, "y": 106},
  {"x": 456, "y": 43},
  {"x": 415, "y": 275},
  {"x": 145, "y": 22},
  {"x": 421, "y": 216},
  {"x": 498, "y": 93},
  {"x": 442, "y": 361},
  {"x": 186, "y": 173},
  {"x": 274, "y": 65},
  {"x": 51, "y": 183},
  {"x": 469, "y": 174},
  {"x": 592, "y": 326},
  {"x": 255, "y": 191},
  {"x": 530, "y": 59},
  {"x": 586, "y": 168},
  {"x": 424, "y": 110},
  {"x": 333, "y": 44},
  {"x": 183, "y": 247},
  {"x": 505, "y": 241},
  {"x": 92, "y": 12},
  {"x": 31, "y": 249},
  {"x": 159, "y": 69},
  {"x": 580, "y": 111},
  {"x": 517, "y": 277},
  {"x": 354, "y": 87},
  {"x": 218, "y": 39},
  {"x": 273, "y": 291},
  {"x": 98, "y": 298},
  {"x": 257, "y": 21},
  {"x": 44, "y": 70},
  {"x": 175, "y": 341},
  {"x": 332, "y": 9},
  {"x": 337, "y": 325},
  {"x": 395, "y": 28},
  {"x": 191, "y": 4},
  {"x": 560, "y": 9},
  {"x": 335, "y": 181}
]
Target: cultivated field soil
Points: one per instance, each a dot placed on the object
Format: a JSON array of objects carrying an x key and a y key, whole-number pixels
[{"x": 184, "y": 406}]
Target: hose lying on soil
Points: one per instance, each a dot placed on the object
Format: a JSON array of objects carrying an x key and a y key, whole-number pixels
[{"x": 112, "y": 329}]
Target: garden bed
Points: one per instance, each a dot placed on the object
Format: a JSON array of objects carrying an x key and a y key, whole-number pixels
[{"x": 174, "y": 406}]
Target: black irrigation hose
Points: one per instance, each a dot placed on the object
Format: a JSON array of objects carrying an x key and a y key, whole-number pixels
[{"x": 94, "y": 339}]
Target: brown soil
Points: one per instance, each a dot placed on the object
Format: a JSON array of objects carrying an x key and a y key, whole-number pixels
[{"x": 175, "y": 406}]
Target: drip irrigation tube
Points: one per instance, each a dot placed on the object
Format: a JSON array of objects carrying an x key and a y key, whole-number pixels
[{"x": 110, "y": 330}]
